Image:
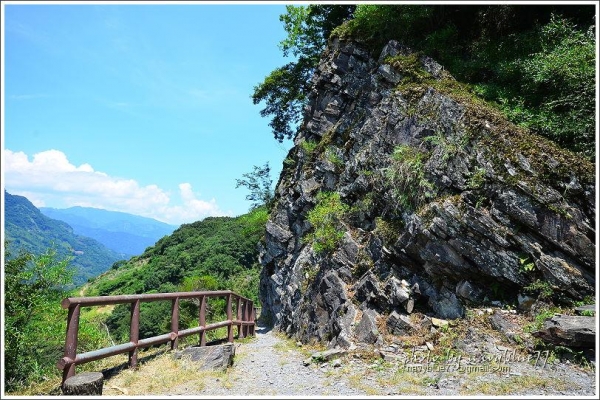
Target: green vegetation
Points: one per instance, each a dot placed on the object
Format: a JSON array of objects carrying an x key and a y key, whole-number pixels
[
  {"x": 213, "y": 254},
  {"x": 34, "y": 322},
  {"x": 326, "y": 219},
  {"x": 410, "y": 66},
  {"x": 536, "y": 62},
  {"x": 333, "y": 157},
  {"x": 284, "y": 90},
  {"x": 389, "y": 230},
  {"x": 526, "y": 264},
  {"x": 406, "y": 176},
  {"x": 542, "y": 289},
  {"x": 259, "y": 183},
  {"x": 308, "y": 147},
  {"x": 477, "y": 179}
]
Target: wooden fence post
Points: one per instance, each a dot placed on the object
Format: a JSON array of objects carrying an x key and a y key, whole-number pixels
[
  {"x": 175, "y": 322},
  {"x": 246, "y": 318},
  {"x": 252, "y": 312},
  {"x": 240, "y": 317},
  {"x": 71, "y": 340},
  {"x": 202, "y": 321},
  {"x": 134, "y": 332},
  {"x": 230, "y": 326}
]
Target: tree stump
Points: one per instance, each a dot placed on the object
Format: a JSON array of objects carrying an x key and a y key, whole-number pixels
[{"x": 84, "y": 384}]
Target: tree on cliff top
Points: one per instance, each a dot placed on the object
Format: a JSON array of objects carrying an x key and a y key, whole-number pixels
[
  {"x": 537, "y": 62},
  {"x": 284, "y": 89}
]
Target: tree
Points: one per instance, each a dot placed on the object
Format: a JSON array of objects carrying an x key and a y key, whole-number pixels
[
  {"x": 33, "y": 287},
  {"x": 537, "y": 62},
  {"x": 284, "y": 89},
  {"x": 259, "y": 183}
]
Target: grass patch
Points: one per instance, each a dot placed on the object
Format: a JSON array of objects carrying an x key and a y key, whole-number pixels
[
  {"x": 308, "y": 147},
  {"x": 326, "y": 219},
  {"x": 514, "y": 385},
  {"x": 410, "y": 66},
  {"x": 406, "y": 177},
  {"x": 333, "y": 157}
]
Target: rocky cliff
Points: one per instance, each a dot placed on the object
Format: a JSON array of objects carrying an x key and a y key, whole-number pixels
[{"x": 406, "y": 192}]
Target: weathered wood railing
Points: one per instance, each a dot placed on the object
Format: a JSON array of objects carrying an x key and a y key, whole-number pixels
[{"x": 245, "y": 322}]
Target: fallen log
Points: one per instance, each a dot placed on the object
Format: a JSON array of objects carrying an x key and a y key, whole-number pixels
[{"x": 569, "y": 331}]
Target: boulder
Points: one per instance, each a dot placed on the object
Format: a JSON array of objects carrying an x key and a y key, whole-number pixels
[
  {"x": 569, "y": 330},
  {"x": 398, "y": 324},
  {"x": 366, "y": 331},
  {"x": 214, "y": 357}
]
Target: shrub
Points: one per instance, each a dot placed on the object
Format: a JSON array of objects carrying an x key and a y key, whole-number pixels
[
  {"x": 34, "y": 322},
  {"x": 406, "y": 175},
  {"x": 326, "y": 219}
]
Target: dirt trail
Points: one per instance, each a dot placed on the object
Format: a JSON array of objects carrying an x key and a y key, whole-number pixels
[
  {"x": 266, "y": 366},
  {"x": 270, "y": 366}
]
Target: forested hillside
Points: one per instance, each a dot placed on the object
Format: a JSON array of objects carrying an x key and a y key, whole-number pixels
[
  {"x": 215, "y": 253},
  {"x": 27, "y": 229}
]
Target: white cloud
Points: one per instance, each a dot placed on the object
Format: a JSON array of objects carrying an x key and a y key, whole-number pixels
[
  {"x": 50, "y": 178},
  {"x": 192, "y": 206}
]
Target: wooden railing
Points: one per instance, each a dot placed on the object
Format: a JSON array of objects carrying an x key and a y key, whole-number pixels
[{"x": 245, "y": 322}]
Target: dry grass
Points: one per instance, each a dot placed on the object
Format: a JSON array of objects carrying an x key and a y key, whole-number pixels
[
  {"x": 109, "y": 366},
  {"x": 162, "y": 375},
  {"x": 50, "y": 386},
  {"x": 287, "y": 344},
  {"x": 357, "y": 381},
  {"x": 514, "y": 385},
  {"x": 406, "y": 382}
]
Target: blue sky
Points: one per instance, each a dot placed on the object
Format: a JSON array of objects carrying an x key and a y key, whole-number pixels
[{"x": 140, "y": 108}]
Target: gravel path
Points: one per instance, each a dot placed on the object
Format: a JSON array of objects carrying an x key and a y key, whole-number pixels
[
  {"x": 264, "y": 367},
  {"x": 270, "y": 366}
]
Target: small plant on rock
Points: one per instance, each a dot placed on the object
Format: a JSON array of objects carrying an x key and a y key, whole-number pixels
[
  {"x": 406, "y": 175},
  {"x": 308, "y": 147},
  {"x": 542, "y": 289},
  {"x": 326, "y": 220}
]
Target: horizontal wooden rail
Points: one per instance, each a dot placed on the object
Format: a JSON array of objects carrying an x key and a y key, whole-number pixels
[
  {"x": 130, "y": 298},
  {"x": 244, "y": 320}
]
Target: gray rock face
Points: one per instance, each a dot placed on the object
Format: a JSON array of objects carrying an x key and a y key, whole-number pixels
[{"x": 448, "y": 204}]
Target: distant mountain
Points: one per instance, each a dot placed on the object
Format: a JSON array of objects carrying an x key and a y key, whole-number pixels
[
  {"x": 26, "y": 228},
  {"x": 124, "y": 233}
]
